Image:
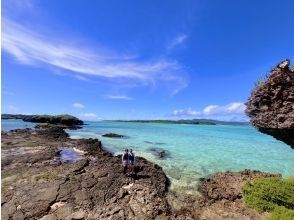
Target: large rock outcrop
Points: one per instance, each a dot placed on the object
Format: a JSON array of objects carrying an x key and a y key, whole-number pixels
[
  {"x": 36, "y": 184},
  {"x": 271, "y": 104}
]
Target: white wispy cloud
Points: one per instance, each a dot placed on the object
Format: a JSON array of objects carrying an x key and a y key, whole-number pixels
[
  {"x": 123, "y": 97},
  {"x": 79, "y": 77},
  {"x": 32, "y": 48},
  {"x": 212, "y": 110},
  {"x": 232, "y": 108},
  {"x": 185, "y": 112},
  {"x": 78, "y": 105},
  {"x": 180, "y": 39},
  {"x": 89, "y": 116}
]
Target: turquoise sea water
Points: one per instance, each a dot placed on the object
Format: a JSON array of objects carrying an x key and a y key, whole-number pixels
[
  {"x": 195, "y": 150},
  {"x": 7, "y": 125}
]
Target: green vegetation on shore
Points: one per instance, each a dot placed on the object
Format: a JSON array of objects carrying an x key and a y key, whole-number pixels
[
  {"x": 67, "y": 120},
  {"x": 271, "y": 195},
  {"x": 194, "y": 121}
]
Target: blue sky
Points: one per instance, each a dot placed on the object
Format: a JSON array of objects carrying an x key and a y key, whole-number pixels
[{"x": 140, "y": 59}]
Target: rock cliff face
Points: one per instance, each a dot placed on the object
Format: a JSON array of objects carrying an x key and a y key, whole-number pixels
[{"x": 271, "y": 104}]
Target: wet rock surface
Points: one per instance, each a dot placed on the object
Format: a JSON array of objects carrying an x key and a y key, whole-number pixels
[{"x": 271, "y": 104}]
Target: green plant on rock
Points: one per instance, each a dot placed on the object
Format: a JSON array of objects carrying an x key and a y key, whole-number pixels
[
  {"x": 282, "y": 213},
  {"x": 259, "y": 82},
  {"x": 271, "y": 195}
]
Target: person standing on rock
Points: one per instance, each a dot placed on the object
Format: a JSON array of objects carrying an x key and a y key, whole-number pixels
[
  {"x": 125, "y": 160},
  {"x": 131, "y": 158},
  {"x": 132, "y": 162}
]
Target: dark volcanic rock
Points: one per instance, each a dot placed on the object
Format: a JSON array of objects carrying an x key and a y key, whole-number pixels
[
  {"x": 228, "y": 185},
  {"x": 113, "y": 135},
  {"x": 91, "y": 147},
  {"x": 55, "y": 133},
  {"x": 271, "y": 104}
]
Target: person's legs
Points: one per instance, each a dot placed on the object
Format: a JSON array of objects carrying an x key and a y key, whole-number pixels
[{"x": 125, "y": 165}]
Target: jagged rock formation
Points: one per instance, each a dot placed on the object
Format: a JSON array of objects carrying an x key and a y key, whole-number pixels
[
  {"x": 37, "y": 185},
  {"x": 271, "y": 104}
]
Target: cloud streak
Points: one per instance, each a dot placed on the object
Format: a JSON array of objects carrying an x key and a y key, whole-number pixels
[
  {"x": 234, "y": 108},
  {"x": 89, "y": 116},
  {"x": 32, "y": 48},
  {"x": 121, "y": 97},
  {"x": 180, "y": 39},
  {"x": 78, "y": 105}
]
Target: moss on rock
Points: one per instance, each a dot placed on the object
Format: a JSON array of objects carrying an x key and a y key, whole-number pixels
[{"x": 271, "y": 195}]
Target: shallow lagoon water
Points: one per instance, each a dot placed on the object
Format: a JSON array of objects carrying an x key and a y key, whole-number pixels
[
  {"x": 11, "y": 124},
  {"x": 196, "y": 150}
]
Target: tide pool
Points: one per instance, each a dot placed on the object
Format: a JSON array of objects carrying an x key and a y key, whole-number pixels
[{"x": 196, "y": 150}]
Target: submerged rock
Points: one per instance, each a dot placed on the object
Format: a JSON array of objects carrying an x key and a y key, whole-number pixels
[
  {"x": 271, "y": 104},
  {"x": 113, "y": 135},
  {"x": 159, "y": 152}
]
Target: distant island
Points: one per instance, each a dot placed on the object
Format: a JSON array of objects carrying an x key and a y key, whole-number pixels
[
  {"x": 187, "y": 121},
  {"x": 46, "y": 121}
]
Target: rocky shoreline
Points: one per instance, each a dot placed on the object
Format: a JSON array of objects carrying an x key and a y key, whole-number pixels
[{"x": 37, "y": 184}]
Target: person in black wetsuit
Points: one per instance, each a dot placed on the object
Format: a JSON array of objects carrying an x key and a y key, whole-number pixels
[{"x": 125, "y": 160}]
